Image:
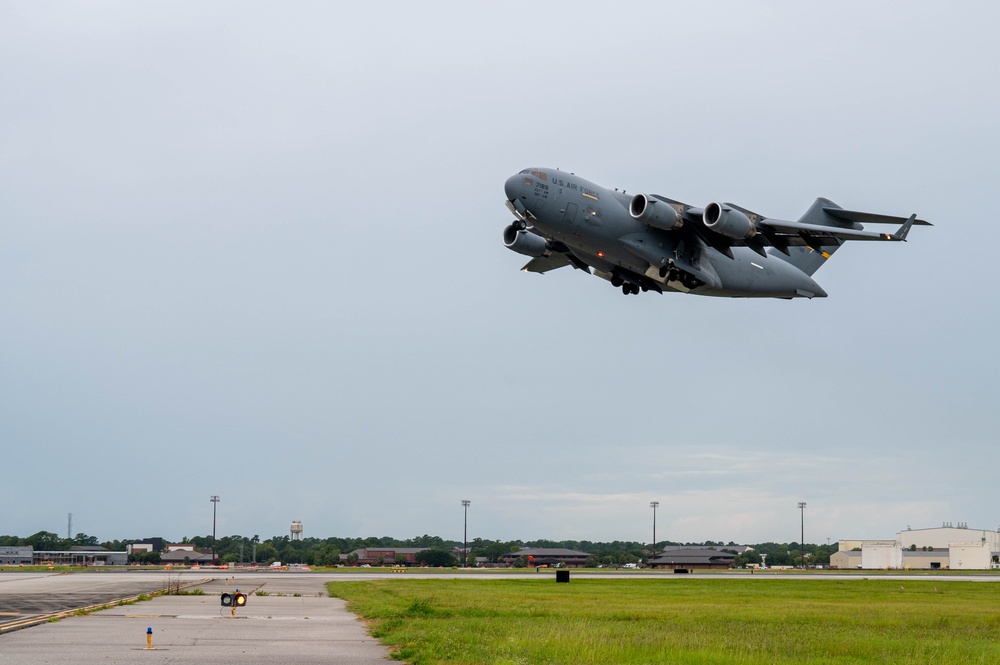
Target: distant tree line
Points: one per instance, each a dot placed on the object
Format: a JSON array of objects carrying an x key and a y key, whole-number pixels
[
  {"x": 51, "y": 542},
  {"x": 327, "y": 551}
]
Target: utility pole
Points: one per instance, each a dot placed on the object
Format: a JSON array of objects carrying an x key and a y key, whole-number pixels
[
  {"x": 465, "y": 536},
  {"x": 215, "y": 501},
  {"x": 802, "y": 535},
  {"x": 654, "y": 505}
]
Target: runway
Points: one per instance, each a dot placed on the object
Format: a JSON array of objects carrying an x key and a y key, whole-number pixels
[{"x": 29, "y": 598}]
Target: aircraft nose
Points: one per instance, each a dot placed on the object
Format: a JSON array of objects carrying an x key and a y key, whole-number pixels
[{"x": 512, "y": 188}]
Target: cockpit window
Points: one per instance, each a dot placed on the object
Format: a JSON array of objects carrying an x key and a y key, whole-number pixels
[{"x": 541, "y": 175}]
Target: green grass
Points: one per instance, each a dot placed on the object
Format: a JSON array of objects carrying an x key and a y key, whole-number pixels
[{"x": 710, "y": 621}]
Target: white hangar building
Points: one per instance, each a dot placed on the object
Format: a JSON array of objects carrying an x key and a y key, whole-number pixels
[
  {"x": 957, "y": 548},
  {"x": 942, "y": 537}
]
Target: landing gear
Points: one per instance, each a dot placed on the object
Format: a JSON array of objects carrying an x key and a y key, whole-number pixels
[
  {"x": 520, "y": 224},
  {"x": 616, "y": 280},
  {"x": 690, "y": 281},
  {"x": 630, "y": 289}
]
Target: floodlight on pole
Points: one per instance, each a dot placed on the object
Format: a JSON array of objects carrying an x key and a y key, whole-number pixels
[
  {"x": 654, "y": 505},
  {"x": 802, "y": 535},
  {"x": 215, "y": 500},
  {"x": 465, "y": 534}
]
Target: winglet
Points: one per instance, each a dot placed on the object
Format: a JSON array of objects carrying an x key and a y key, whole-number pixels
[{"x": 904, "y": 229}]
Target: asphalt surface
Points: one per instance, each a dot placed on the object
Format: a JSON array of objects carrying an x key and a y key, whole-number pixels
[
  {"x": 24, "y": 596},
  {"x": 296, "y": 622}
]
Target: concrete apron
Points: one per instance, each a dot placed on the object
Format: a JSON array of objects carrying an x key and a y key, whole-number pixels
[{"x": 196, "y": 629}]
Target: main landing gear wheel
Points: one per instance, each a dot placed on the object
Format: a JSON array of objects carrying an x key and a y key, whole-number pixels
[
  {"x": 630, "y": 289},
  {"x": 690, "y": 281}
]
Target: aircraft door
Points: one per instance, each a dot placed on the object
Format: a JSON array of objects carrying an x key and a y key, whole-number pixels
[{"x": 570, "y": 215}]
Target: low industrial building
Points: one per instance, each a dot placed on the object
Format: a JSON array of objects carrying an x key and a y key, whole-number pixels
[
  {"x": 186, "y": 557},
  {"x": 692, "y": 558},
  {"x": 942, "y": 537},
  {"x": 145, "y": 545},
  {"x": 547, "y": 556},
  {"x": 957, "y": 548},
  {"x": 16, "y": 555},
  {"x": 384, "y": 556},
  {"x": 79, "y": 556}
]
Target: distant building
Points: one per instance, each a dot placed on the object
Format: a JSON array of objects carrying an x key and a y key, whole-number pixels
[
  {"x": 548, "y": 556},
  {"x": 942, "y": 537},
  {"x": 693, "y": 558},
  {"x": 877, "y": 554},
  {"x": 385, "y": 556},
  {"x": 957, "y": 548},
  {"x": 145, "y": 545},
  {"x": 846, "y": 559},
  {"x": 16, "y": 555},
  {"x": 739, "y": 549},
  {"x": 79, "y": 557},
  {"x": 184, "y": 556}
]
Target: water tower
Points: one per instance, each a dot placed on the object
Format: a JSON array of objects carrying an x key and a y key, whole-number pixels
[{"x": 296, "y": 530}]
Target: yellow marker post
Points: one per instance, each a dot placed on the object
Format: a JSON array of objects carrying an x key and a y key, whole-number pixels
[{"x": 149, "y": 637}]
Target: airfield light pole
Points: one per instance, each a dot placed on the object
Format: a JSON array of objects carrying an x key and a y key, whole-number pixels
[
  {"x": 215, "y": 502},
  {"x": 654, "y": 505},
  {"x": 802, "y": 535},
  {"x": 465, "y": 536}
]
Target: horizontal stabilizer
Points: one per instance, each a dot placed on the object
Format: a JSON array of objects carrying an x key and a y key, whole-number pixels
[
  {"x": 819, "y": 231},
  {"x": 870, "y": 217}
]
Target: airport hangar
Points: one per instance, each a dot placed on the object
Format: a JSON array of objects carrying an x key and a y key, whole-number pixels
[{"x": 945, "y": 547}]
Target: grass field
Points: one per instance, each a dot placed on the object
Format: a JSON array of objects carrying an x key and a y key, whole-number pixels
[{"x": 507, "y": 621}]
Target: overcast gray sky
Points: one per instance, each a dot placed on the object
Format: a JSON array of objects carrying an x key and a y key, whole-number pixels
[{"x": 254, "y": 250}]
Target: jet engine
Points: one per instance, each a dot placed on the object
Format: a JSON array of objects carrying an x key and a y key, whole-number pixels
[
  {"x": 655, "y": 213},
  {"x": 524, "y": 242},
  {"x": 729, "y": 222}
]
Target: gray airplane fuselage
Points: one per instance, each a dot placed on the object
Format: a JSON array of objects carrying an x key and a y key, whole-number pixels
[{"x": 595, "y": 225}]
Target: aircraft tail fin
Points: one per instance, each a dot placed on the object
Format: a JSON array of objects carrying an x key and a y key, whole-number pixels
[{"x": 810, "y": 258}]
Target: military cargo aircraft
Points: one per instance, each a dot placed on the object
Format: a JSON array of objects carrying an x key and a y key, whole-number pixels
[{"x": 649, "y": 242}]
